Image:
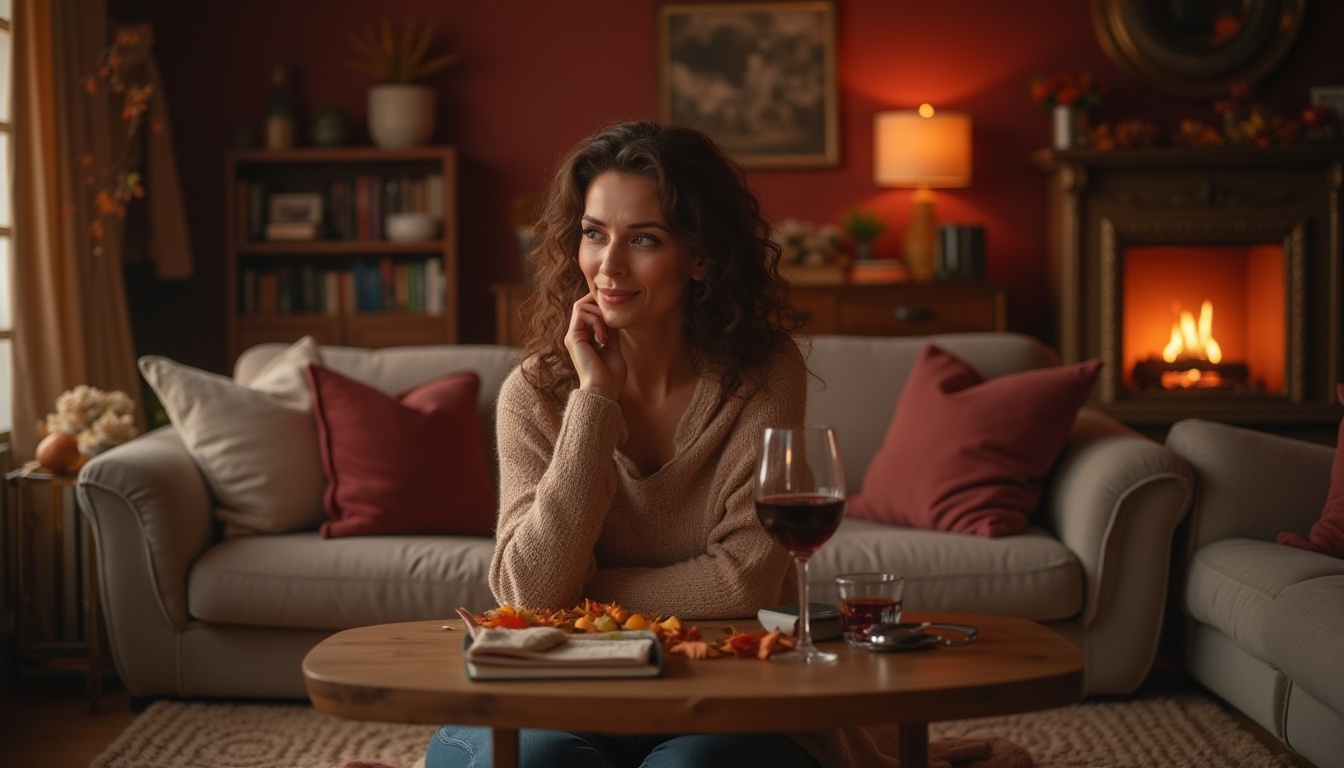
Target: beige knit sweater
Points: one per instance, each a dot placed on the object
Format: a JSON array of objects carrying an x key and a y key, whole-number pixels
[{"x": 578, "y": 520}]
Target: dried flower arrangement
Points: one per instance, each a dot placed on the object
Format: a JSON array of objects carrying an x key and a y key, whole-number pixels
[
  {"x": 86, "y": 422},
  {"x": 398, "y": 56},
  {"x": 806, "y": 244}
]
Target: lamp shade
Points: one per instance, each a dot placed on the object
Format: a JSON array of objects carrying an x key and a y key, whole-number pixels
[{"x": 912, "y": 150}]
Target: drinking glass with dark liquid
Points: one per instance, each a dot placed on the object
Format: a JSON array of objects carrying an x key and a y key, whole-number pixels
[
  {"x": 868, "y": 599},
  {"x": 800, "y": 499}
]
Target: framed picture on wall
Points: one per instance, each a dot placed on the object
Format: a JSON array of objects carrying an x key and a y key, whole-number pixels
[
  {"x": 758, "y": 77},
  {"x": 1330, "y": 97}
]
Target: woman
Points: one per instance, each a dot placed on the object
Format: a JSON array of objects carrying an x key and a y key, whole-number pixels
[{"x": 657, "y": 351}]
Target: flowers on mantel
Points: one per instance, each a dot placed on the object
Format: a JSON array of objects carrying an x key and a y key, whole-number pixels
[
  {"x": 1240, "y": 121},
  {"x": 1082, "y": 91}
]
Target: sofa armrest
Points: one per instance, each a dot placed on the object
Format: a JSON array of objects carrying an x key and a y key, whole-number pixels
[
  {"x": 1252, "y": 484},
  {"x": 152, "y": 516},
  {"x": 1115, "y": 499}
]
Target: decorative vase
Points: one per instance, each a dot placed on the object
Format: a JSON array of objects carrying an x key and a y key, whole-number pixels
[
  {"x": 1069, "y": 126},
  {"x": 330, "y": 128},
  {"x": 401, "y": 115}
]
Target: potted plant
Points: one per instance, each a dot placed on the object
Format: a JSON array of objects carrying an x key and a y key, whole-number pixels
[
  {"x": 863, "y": 227},
  {"x": 401, "y": 107}
]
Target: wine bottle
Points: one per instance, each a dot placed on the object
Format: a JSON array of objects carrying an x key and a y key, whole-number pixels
[{"x": 279, "y": 114}]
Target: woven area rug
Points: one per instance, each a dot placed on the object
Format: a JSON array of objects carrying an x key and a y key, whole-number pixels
[{"x": 1184, "y": 729}]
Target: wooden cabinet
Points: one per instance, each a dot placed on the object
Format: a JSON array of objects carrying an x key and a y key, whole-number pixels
[
  {"x": 902, "y": 309},
  {"x": 348, "y": 284}
]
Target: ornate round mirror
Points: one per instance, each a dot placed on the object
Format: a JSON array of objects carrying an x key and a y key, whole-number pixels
[{"x": 1197, "y": 48}]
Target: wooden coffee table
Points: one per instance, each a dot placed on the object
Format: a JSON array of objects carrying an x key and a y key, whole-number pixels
[{"x": 414, "y": 673}]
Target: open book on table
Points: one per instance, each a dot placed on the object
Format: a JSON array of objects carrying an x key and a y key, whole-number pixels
[{"x": 546, "y": 652}]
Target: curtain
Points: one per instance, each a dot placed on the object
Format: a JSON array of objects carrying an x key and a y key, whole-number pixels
[{"x": 71, "y": 324}]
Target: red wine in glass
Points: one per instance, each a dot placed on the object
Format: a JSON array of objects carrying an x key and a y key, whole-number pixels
[
  {"x": 859, "y": 614},
  {"x": 800, "y": 522},
  {"x": 799, "y": 492}
]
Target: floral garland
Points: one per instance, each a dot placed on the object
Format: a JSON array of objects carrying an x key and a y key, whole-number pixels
[{"x": 122, "y": 71}]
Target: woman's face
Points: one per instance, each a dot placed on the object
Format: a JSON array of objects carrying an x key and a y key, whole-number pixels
[{"x": 636, "y": 266}]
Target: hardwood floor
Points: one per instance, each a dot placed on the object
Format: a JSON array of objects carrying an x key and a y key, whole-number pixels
[{"x": 45, "y": 720}]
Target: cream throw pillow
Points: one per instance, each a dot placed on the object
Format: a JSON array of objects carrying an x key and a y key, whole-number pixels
[{"x": 256, "y": 442}]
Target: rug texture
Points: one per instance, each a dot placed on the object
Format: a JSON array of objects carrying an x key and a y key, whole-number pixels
[{"x": 1184, "y": 729}]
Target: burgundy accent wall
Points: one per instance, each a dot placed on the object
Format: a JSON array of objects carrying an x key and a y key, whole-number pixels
[{"x": 537, "y": 76}]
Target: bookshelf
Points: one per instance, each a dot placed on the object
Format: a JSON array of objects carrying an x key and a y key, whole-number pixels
[{"x": 329, "y": 270}]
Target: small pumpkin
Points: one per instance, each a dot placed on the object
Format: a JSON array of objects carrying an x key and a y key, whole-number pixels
[{"x": 59, "y": 452}]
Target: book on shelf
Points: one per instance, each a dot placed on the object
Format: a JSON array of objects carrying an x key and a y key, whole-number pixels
[{"x": 353, "y": 207}]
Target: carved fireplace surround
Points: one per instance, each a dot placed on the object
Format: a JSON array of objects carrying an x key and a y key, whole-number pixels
[{"x": 1138, "y": 236}]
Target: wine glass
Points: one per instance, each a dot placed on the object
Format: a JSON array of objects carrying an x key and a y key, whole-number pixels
[{"x": 800, "y": 497}]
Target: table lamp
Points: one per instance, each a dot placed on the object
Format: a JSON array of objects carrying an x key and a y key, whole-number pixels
[{"x": 924, "y": 150}]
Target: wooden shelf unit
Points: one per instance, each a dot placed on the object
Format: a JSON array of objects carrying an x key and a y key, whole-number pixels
[{"x": 321, "y": 265}]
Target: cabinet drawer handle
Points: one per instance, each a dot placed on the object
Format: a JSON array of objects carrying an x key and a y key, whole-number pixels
[{"x": 913, "y": 314}]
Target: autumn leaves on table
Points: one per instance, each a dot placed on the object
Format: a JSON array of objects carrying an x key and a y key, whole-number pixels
[{"x": 675, "y": 637}]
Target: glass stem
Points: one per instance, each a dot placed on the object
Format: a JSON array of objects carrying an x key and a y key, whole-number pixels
[{"x": 804, "y": 633}]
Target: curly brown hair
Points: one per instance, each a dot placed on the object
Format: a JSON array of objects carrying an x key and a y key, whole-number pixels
[{"x": 735, "y": 318}]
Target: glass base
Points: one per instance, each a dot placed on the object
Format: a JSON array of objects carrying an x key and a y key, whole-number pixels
[{"x": 810, "y": 655}]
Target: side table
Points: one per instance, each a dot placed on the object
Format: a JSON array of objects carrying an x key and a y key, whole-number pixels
[{"x": 87, "y": 653}]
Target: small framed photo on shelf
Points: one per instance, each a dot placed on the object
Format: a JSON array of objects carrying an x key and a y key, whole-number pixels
[
  {"x": 757, "y": 77},
  {"x": 1330, "y": 97},
  {"x": 294, "y": 216},
  {"x": 296, "y": 206}
]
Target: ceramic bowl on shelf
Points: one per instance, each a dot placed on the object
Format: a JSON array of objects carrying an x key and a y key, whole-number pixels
[{"x": 410, "y": 227}]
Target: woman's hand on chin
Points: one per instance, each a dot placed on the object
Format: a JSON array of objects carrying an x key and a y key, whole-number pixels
[{"x": 595, "y": 350}]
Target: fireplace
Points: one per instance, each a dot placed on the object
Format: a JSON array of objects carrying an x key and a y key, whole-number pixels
[{"x": 1209, "y": 282}]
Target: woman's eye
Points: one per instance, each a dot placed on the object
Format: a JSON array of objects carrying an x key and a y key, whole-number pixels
[
  {"x": 643, "y": 239},
  {"x": 589, "y": 233}
]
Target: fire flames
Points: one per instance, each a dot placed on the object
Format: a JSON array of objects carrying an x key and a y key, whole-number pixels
[{"x": 1192, "y": 339}]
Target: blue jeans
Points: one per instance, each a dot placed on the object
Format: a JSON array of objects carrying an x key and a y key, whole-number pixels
[{"x": 460, "y": 746}]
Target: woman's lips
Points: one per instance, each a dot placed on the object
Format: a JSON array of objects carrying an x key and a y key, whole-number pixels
[{"x": 614, "y": 297}]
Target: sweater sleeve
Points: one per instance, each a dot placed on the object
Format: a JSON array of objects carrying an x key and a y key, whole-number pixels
[
  {"x": 554, "y": 493},
  {"x": 741, "y": 569}
]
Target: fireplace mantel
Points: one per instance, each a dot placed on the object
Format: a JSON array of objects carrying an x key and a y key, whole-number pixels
[{"x": 1102, "y": 203}]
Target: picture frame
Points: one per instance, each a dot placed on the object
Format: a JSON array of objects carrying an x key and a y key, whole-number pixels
[
  {"x": 295, "y": 207},
  {"x": 757, "y": 77},
  {"x": 1330, "y": 97}
]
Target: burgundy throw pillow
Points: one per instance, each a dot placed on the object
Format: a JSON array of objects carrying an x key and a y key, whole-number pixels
[
  {"x": 968, "y": 454},
  {"x": 411, "y": 464},
  {"x": 1327, "y": 535}
]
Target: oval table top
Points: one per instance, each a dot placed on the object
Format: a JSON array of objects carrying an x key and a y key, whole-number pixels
[{"x": 414, "y": 673}]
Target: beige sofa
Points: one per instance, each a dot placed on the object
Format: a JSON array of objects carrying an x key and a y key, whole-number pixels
[
  {"x": 1262, "y": 624},
  {"x": 191, "y": 614}
]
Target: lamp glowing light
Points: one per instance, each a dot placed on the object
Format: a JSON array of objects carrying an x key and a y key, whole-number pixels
[{"x": 922, "y": 149}]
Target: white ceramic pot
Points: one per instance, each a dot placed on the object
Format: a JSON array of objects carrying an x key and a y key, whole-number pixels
[{"x": 401, "y": 115}]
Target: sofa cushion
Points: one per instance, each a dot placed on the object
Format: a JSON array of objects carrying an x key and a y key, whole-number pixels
[
  {"x": 411, "y": 464},
  {"x": 967, "y": 454},
  {"x": 1031, "y": 576},
  {"x": 303, "y": 581},
  {"x": 1304, "y": 635},
  {"x": 1327, "y": 534},
  {"x": 254, "y": 441},
  {"x": 1233, "y": 584}
]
